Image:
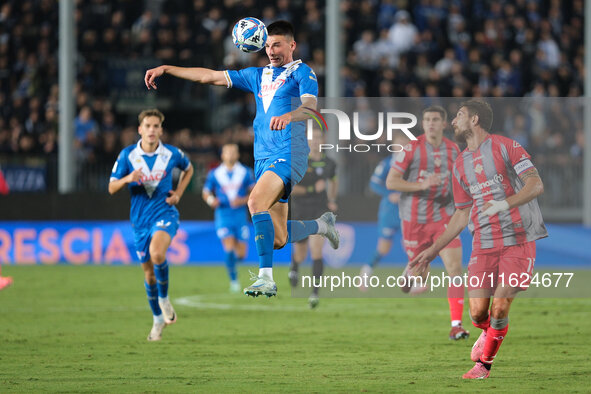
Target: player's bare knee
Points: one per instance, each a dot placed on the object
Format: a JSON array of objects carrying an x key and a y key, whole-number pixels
[
  {"x": 157, "y": 257},
  {"x": 256, "y": 205},
  {"x": 252, "y": 205},
  {"x": 500, "y": 310},
  {"x": 478, "y": 315}
]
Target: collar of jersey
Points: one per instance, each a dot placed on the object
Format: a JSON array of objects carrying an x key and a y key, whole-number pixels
[
  {"x": 288, "y": 65},
  {"x": 157, "y": 151}
]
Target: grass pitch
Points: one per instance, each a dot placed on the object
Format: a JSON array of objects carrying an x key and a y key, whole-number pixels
[{"x": 83, "y": 329}]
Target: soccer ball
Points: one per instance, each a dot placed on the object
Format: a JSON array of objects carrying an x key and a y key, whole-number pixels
[{"x": 249, "y": 35}]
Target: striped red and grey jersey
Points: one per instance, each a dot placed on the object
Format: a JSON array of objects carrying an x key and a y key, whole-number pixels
[
  {"x": 418, "y": 161},
  {"x": 492, "y": 173}
]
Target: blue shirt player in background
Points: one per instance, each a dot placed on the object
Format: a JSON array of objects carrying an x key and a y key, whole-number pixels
[
  {"x": 280, "y": 146},
  {"x": 226, "y": 190},
  {"x": 146, "y": 169}
]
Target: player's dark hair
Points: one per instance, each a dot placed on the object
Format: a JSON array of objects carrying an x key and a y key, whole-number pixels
[
  {"x": 482, "y": 109},
  {"x": 436, "y": 108},
  {"x": 281, "y": 28},
  {"x": 150, "y": 112}
]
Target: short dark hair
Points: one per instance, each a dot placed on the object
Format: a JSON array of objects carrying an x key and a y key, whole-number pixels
[
  {"x": 436, "y": 108},
  {"x": 281, "y": 28},
  {"x": 482, "y": 109}
]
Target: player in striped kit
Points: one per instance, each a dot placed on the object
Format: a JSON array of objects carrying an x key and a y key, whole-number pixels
[
  {"x": 422, "y": 172},
  {"x": 495, "y": 188}
]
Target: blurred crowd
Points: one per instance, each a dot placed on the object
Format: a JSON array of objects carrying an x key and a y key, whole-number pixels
[{"x": 394, "y": 48}]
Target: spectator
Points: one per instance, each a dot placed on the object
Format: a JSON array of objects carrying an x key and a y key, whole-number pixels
[{"x": 403, "y": 33}]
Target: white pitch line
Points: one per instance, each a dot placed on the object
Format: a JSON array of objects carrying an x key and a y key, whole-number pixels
[
  {"x": 204, "y": 302},
  {"x": 196, "y": 301}
]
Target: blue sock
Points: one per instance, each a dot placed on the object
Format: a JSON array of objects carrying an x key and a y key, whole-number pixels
[
  {"x": 376, "y": 259},
  {"x": 298, "y": 230},
  {"x": 161, "y": 272},
  {"x": 264, "y": 237},
  {"x": 231, "y": 264},
  {"x": 152, "y": 292}
]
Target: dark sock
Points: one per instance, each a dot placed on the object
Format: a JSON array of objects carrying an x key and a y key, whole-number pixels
[
  {"x": 487, "y": 366},
  {"x": 317, "y": 268},
  {"x": 376, "y": 259}
]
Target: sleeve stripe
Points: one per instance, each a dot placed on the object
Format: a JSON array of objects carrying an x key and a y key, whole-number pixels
[
  {"x": 397, "y": 168},
  {"x": 307, "y": 95},
  {"x": 113, "y": 179},
  {"x": 463, "y": 204},
  {"x": 228, "y": 79}
]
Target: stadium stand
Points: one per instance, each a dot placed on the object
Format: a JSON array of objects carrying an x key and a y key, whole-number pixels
[{"x": 423, "y": 48}]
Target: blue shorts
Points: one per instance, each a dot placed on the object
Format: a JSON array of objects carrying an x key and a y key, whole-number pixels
[
  {"x": 388, "y": 220},
  {"x": 143, "y": 236},
  {"x": 241, "y": 233},
  {"x": 290, "y": 172}
]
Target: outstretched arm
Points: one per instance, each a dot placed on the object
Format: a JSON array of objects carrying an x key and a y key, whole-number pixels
[{"x": 195, "y": 74}]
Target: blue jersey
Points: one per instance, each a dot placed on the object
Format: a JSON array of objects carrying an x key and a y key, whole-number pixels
[
  {"x": 277, "y": 90},
  {"x": 148, "y": 196},
  {"x": 227, "y": 185},
  {"x": 388, "y": 210}
]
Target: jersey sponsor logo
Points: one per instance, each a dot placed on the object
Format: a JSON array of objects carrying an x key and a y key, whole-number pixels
[
  {"x": 426, "y": 174},
  {"x": 477, "y": 188},
  {"x": 153, "y": 176},
  {"x": 516, "y": 144},
  {"x": 271, "y": 88}
]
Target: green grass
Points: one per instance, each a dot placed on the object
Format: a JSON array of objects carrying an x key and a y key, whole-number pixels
[{"x": 83, "y": 329}]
